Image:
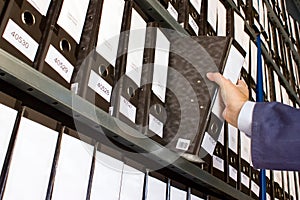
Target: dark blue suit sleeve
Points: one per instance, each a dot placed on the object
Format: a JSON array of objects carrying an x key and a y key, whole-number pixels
[{"x": 275, "y": 137}]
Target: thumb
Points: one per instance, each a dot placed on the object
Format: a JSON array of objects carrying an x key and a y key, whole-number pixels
[{"x": 217, "y": 78}]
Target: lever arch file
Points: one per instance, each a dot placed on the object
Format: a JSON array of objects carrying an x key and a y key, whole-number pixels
[
  {"x": 22, "y": 27},
  {"x": 95, "y": 78},
  {"x": 59, "y": 55}
]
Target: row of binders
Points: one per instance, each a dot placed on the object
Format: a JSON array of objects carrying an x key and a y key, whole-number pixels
[
  {"x": 113, "y": 54},
  {"x": 41, "y": 158}
]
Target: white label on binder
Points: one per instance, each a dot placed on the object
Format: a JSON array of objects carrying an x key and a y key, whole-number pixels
[
  {"x": 161, "y": 61},
  {"x": 218, "y": 163},
  {"x": 255, "y": 5},
  {"x": 156, "y": 189},
  {"x": 245, "y": 147},
  {"x": 127, "y": 109},
  {"x": 7, "y": 117},
  {"x": 208, "y": 144},
  {"x": 32, "y": 161},
  {"x": 245, "y": 180},
  {"x": 234, "y": 64},
  {"x": 268, "y": 197},
  {"x": 193, "y": 24},
  {"x": 183, "y": 144},
  {"x": 74, "y": 88},
  {"x": 107, "y": 177},
  {"x": 73, "y": 169},
  {"x": 172, "y": 11},
  {"x": 136, "y": 48},
  {"x": 100, "y": 86},
  {"x": 155, "y": 125},
  {"x": 72, "y": 17},
  {"x": 221, "y": 19},
  {"x": 177, "y": 194},
  {"x": 232, "y": 137},
  {"x": 221, "y": 136},
  {"x": 132, "y": 184},
  {"x": 16, "y": 36},
  {"x": 255, "y": 188},
  {"x": 232, "y": 173},
  {"x": 292, "y": 184},
  {"x": 109, "y": 31},
  {"x": 193, "y": 197},
  {"x": 41, "y": 5},
  {"x": 212, "y": 6},
  {"x": 59, "y": 63},
  {"x": 197, "y": 5}
]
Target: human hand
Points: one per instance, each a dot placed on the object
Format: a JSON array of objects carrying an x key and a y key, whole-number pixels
[{"x": 234, "y": 96}]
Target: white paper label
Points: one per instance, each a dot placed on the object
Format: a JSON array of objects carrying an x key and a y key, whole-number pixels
[
  {"x": 172, "y": 11},
  {"x": 155, "y": 125},
  {"x": 208, "y": 143},
  {"x": 197, "y": 5},
  {"x": 255, "y": 188},
  {"x": 221, "y": 20},
  {"x": 183, "y": 144},
  {"x": 193, "y": 24},
  {"x": 41, "y": 5},
  {"x": 74, "y": 88},
  {"x": 127, "y": 109},
  {"x": 232, "y": 137},
  {"x": 136, "y": 46},
  {"x": 245, "y": 147},
  {"x": 16, "y": 36},
  {"x": 245, "y": 180},
  {"x": 212, "y": 6},
  {"x": 161, "y": 62},
  {"x": 156, "y": 189},
  {"x": 218, "y": 163},
  {"x": 232, "y": 173},
  {"x": 100, "y": 86},
  {"x": 109, "y": 31},
  {"x": 72, "y": 17},
  {"x": 268, "y": 197},
  {"x": 59, "y": 63},
  {"x": 234, "y": 64}
]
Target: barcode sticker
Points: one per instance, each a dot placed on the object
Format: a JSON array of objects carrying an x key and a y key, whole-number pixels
[
  {"x": 255, "y": 188},
  {"x": 100, "y": 86},
  {"x": 155, "y": 125},
  {"x": 193, "y": 24},
  {"x": 245, "y": 180},
  {"x": 127, "y": 109},
  {"x": 173, "y": 11},
  {"x": 59, "y": 63},
  {"x": 218, "y": 163},
  {"x": 208, "y": 144},
  {"x": 183, "y": 144},
  {"x": 233, "y": 173},
  {"x": 16, "y": 36}
]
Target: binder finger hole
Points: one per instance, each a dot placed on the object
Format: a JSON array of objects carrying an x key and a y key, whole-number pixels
[
  {"x": 130, "y": 92},
  {"x": 28, "y": 18},
  {"x": 65, "y": 45},
  {"x": 103, "y": 71}
]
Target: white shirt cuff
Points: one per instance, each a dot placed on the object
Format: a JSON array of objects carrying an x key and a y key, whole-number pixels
[{"x": 245, "y": 118}]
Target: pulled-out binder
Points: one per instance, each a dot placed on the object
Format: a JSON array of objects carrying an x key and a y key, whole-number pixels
[
  {"x": 190, "y": 128},
  {"x": 95, "y": 78},
  {"x": 129, "y": 65},
  {"x": 23, "y": 25},
  {"x": 60, "y": 47},
  {"x": 190, "y": 16}
]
